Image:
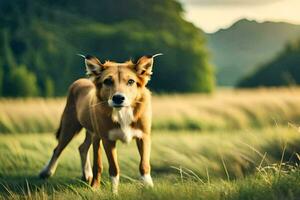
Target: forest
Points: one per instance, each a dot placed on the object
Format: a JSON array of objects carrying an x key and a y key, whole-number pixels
[{"x": 40, "y": 40}]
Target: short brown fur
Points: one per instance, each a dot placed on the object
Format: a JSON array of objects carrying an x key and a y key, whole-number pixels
[{"x": 88, "y": 107}]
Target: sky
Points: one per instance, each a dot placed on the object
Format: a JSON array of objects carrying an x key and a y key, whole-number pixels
[{"x": 211, "y": 15}]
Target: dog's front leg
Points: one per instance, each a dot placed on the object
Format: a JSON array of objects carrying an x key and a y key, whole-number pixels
[
  {"x": 87, "y": 172},
  {"x": 97, "y": 164},
  {"x": 111, "y": 153},
  {"x": 144, "y": 147}
]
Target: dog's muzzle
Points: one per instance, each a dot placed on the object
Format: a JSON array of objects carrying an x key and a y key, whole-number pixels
[{"x": 118, "y": 100}]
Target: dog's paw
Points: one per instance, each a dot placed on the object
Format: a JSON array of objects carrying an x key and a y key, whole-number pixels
[
  {"x": 147, "y": 180},
  {"x": 88, "y": 179},
  {"x": 114, "y": 184},
  {"x": 45, "y": 174},
  {"x": 95, "y": 184}
]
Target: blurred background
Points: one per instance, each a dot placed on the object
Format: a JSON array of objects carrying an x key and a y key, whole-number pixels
[
  {"x": 213, "y": 137},
  {"x": 206, "y": 44}
]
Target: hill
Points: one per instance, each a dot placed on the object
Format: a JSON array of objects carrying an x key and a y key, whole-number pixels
[
  {"x": 40, "y": 39},
  {"x": 238, "y": 50},
  {"x": 284, "y": 70}
]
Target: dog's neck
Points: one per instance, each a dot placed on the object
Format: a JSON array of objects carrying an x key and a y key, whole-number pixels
[{"x": 123, "y": 116}]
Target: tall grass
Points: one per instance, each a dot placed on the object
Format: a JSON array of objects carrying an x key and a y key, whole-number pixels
[
  {"x": 256, "y": 187},
  {"x": 30, "y": 115},
  {"x": 228, "y": 109},
  {"x": 223, "y": 110},
  {"x": 222, "y": 165}
]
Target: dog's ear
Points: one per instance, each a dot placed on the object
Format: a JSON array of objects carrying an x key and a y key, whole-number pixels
[
  {"x": 93, "y": 66},
  {"x": 144, "y": 66}
]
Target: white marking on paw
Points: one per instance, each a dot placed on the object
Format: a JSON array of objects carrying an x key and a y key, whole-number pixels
[
  {"x": 114, "y": 184},
  {"x": 88, "y": 172},
  {"x": 147, "y": 180}
]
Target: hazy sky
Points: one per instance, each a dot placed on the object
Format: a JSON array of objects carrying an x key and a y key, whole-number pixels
[{"x": 211, "y": 15}]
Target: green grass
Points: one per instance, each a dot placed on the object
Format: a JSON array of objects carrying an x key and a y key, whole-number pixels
[
  {"x": 228, "y": 145},
  {"x": 249, "y": 164}
]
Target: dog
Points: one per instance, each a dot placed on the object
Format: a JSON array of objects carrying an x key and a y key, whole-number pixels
[{"x": 113, "y": 104}]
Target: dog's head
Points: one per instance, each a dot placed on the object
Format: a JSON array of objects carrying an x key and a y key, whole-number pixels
[{"x": 119, "y": 84}]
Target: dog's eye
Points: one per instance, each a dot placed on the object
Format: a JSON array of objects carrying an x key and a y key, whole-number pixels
[
  {"x": 130, "y": 82},
  {"x": 108, "y": 82}
]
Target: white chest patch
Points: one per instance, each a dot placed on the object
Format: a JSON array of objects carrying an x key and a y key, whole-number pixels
[{"x": 125, "y": 133}]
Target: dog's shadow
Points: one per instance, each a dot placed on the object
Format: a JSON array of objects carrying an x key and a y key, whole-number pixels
[{"x": 22, "y": 185}]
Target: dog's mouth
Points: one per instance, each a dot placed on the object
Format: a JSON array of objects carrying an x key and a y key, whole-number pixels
[
  {"x": 118, "y": 106},
  {"x": 114, "y": 105}
]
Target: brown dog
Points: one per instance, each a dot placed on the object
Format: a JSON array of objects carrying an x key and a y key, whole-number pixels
[{"x": 114, "y": 104}]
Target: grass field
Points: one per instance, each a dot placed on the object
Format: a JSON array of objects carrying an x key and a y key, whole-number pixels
[
  {"x": 223, "y": 110},
  {"x": 228, "y": 145},
  {"x": 186, "y": 165}
]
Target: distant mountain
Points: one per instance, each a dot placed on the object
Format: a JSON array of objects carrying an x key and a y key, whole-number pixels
[
  {"x": 283, "y": 70},
  {"x": 238, "y": 50}
]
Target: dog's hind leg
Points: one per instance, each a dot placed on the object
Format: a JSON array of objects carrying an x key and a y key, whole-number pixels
[
  {"x": 87, "y": 173},
  {"x": 68, "y": 129}
]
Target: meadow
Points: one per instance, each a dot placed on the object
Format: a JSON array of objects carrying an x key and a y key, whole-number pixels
[
  {"x": 222, "y": 110},
  {"x": 228, "y": 145}
]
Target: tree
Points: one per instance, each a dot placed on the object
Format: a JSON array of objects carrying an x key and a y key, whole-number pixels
[
  {"x": 22, "y": 83},
  {"x": 1, "y": 81},
  {"x": 48, "y": 88}
]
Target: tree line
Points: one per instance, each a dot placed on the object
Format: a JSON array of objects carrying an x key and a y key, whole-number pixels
[{"x": 40, "y": 39}]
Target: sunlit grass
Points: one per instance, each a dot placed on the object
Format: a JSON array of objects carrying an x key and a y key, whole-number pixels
[
  {"x": 186, "y": 165},
  {"x": 227, "y": 145},
  {"x": 223, "y": 110}
]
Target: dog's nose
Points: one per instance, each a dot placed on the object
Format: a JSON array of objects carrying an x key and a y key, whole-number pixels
[{"x": 118, "y": 99}]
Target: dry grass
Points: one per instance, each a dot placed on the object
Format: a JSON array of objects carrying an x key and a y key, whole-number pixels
[
  {"x": 229, "y": 109},
  {"x": 223, "y": 110},
  {"x": 30, "y": 115}
]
